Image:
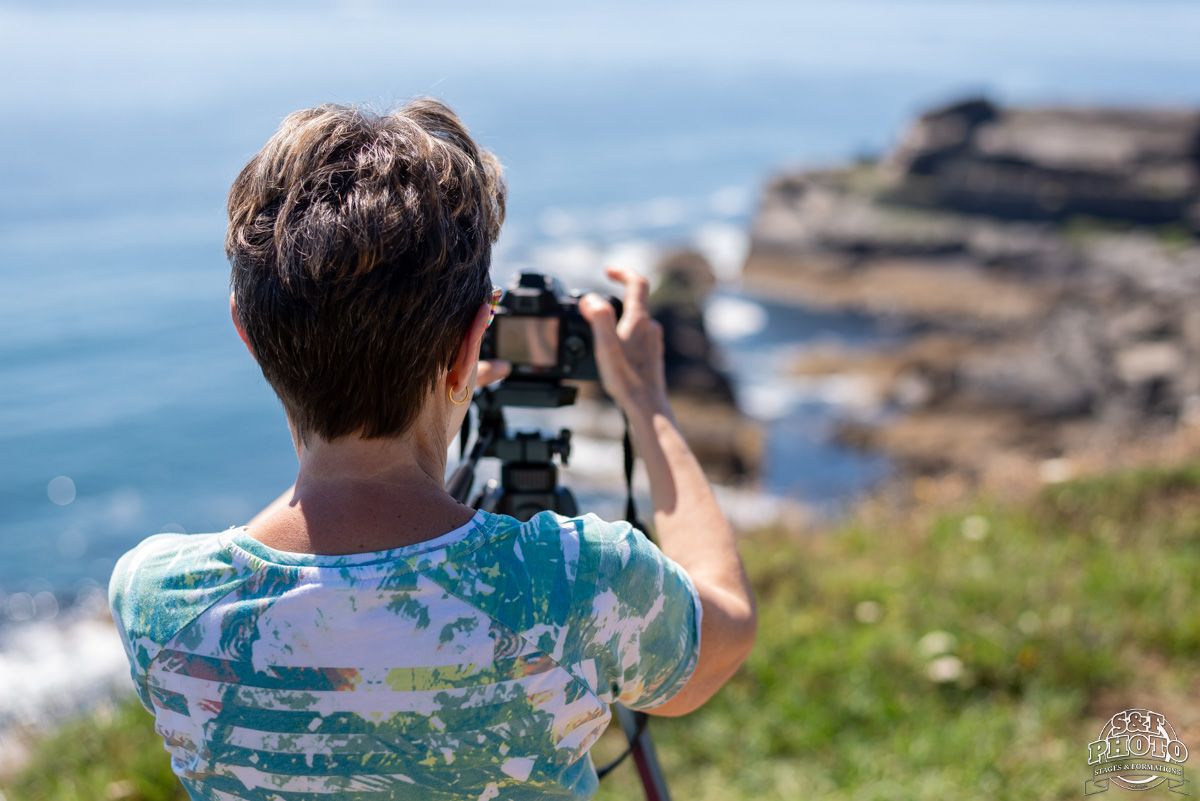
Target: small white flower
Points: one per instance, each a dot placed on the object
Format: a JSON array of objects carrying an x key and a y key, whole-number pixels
[
  {"x": 935, "y": 643},
  {"x": 944, "y": 669},
  {"x": 1029, "y": 623},
  {"x": 975, "y": 528},
  {"x": 868, "y": 612}
]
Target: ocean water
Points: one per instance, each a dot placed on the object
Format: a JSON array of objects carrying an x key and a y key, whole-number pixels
[{"x": 127, "y": 404}]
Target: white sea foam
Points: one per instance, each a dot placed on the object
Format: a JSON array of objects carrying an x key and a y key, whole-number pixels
[
  {"x": 775, "y": 400},
  {"x": 634, "y": 254},
  {"x": 632, "y": 218},
  {"x": 853, "y": 392},
  {"x": 598, "y": 461},
  {"x": 729, "y": 318},
  {"x": 579, "y": 263},
  {"x": 767, "y": 402},
  {"x": 575, "y": 244},
  {"x": 51, "y": 670},
  {"x": 573, "y": 261},
  {"x": 725, "y": 246}
]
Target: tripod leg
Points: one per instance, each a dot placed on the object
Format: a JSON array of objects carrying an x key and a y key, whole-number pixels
[{"x": 644, "y": 756}]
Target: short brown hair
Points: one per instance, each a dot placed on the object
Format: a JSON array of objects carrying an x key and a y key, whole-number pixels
[{"x": 360, "y": 245}]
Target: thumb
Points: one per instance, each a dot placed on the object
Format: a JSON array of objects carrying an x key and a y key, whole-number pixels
[
  {"x": 597, "y": 311},
  {"x": 592, "y": 305},
  {"x": 600, "y": 316}
]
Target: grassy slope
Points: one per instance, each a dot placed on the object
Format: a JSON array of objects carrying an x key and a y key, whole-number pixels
[{"x": 1086, "y": 593}]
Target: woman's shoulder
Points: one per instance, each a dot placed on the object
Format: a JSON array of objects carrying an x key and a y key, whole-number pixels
[
  {"x": 596, "y": 545},
  {"x": 574, "y": 536},
  {"x": 549, "y": 524},
  {"x": 165, "y": 555},
  {"x": 168, "y": 578}
]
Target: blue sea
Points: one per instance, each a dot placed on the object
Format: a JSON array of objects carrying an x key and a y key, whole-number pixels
[{"x": 127, "y": 404}]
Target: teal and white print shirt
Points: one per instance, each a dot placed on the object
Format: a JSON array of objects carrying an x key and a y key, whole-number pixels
[{"x": 477, "y": 665}]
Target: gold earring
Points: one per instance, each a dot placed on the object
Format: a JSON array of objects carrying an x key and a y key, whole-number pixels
[{"x": 450, "y": 392}]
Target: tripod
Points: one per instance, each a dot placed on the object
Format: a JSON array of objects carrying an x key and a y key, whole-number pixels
[{"x": 528, "y": 485}]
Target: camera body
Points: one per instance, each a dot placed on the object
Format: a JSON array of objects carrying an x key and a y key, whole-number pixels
[{"x": 539, "y": 329}]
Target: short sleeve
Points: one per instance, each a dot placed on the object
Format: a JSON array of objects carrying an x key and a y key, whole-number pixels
[
  {"x": 639, "y": 614},
  {"x": 160, "y": 587}
]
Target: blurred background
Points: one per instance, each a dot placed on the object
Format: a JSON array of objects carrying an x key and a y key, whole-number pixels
[{"x": 907, "y": 253}]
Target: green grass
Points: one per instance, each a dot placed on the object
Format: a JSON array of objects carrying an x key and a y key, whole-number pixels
[
  {"x": 1085, "y": 593},
  {"x": 1092, "y": 588},
  {"x": 115, "y": 754}
]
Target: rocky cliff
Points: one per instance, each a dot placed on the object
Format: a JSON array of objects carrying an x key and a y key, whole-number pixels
[
  {"x": 1053, "y": 163},
  {"x": 1054, "y": 250}
]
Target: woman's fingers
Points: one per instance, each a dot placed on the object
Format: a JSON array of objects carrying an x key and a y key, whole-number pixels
[
  {"x": 637, "y": 294},
  {"x": 629, "y": 351},
  {"x": 617, "y": 375}
]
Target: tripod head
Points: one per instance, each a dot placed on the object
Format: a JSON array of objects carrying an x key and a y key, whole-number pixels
[{"x": 528, "y": 475}]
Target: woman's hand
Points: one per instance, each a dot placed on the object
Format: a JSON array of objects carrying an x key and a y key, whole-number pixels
[
  {"x": 491, "y": 370},
  {"x": 629, "y": 352}
]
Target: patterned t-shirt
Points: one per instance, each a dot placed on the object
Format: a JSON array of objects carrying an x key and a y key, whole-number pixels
[{"x": 474, "y": 666}]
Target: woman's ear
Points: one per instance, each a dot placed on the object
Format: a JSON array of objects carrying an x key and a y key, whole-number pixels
[
  {"x": 468, "y": 350},
  {"x": 237, "y": 323}
]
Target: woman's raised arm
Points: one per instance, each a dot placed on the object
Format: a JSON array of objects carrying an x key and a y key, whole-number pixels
[{"x": 691, "y": 528}]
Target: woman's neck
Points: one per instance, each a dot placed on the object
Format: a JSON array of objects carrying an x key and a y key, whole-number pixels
[
  {"x": 416, "y": 457},
  {"x": 355, "y": 495}
]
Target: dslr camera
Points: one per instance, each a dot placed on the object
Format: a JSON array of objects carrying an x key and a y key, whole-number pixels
[{"x": 538, "y": 329}]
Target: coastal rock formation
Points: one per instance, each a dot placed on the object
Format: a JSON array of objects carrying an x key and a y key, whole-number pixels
[
  {"x": 1055, "y": 248},
  {"x": 1139, "y": 166},
  {"x": 728, "y": 445},
  {"x": 825, "y": 239}
]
